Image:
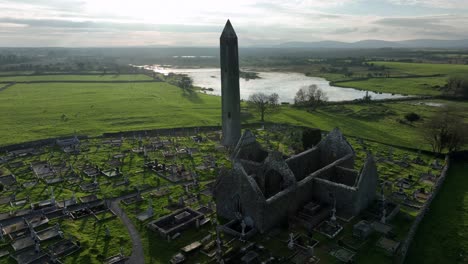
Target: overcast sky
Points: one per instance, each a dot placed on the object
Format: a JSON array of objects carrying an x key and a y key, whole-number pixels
[{"x": 79, "y": 23}]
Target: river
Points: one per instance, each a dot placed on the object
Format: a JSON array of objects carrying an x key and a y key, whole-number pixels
[{"x": 285, "y": 84}]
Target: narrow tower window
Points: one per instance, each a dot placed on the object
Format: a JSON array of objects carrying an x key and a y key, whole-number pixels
[{"x": 229, "y": 114}]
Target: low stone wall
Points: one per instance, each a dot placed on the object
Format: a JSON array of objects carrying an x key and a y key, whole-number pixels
[
  {"x": 402, "y": 252},
  {"x": 177, "y": 131},
  {"x": 8, "y": 84},
  {"x": 35, "y": 143}
]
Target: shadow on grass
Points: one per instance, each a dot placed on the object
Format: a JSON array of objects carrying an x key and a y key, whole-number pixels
[
  {"x": 192, "y": 96},
  {"x": 83, "y": 224}
]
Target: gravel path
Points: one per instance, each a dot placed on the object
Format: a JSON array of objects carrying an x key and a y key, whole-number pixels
[{"x": 138, "y": 256}]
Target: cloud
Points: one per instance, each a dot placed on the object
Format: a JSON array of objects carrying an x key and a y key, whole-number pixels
[
  {"x": 345, "y": 30},
  {"x": 58, "y": 23},
  {"x": 123, "y": 22},
  {"x": 438, "y": 27},
  {"x": 445, "y": 4},
  {"x": 414, "y": 22}
]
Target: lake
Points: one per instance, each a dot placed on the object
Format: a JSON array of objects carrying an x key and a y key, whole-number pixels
[{"x": 285, "y": 84}]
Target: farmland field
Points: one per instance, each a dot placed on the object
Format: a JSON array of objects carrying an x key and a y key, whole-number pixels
[
  {"x": 107, "y": 77},
  {"x": 408, "y": 85},
  {"x": 34, "y": 111},
  {"x": 425, "y": 68},
  {"x": 37, "y": 111},
  {"x": 414, "y": 86}
]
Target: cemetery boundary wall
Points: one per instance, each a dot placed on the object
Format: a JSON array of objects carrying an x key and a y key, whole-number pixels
[
  {"x": 177, "y": 131},
  {"x": 403, "y": 251}
]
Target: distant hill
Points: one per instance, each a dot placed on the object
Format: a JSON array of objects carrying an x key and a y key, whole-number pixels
[{"x": 373, "y": 44}]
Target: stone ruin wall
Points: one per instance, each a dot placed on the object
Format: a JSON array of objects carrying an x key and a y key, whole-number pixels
[
  {"x": 304, "y": 163},
  {"x": 250, "y": 197},
  {"x": 350, "y": 199},
  {"x": 278, "y": 208},
  {"x": 334, "y": 146},
  {"x": 287, "y": 202},
  {"x": 367, "y": 184}
]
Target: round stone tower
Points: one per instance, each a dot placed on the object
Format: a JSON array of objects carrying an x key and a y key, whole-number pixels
[{"x": 230, "y": 93}]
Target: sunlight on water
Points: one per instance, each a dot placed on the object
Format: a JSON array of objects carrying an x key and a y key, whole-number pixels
[{"x": 285, "y": 84}]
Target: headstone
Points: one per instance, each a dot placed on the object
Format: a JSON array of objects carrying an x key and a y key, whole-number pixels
[
  {"x": 291, "y": 241},
  {"x": 384, "y": 211},
  {"x": 107, "y": 232},
  {"x": 390, "y": 154},
  {"x": 243, "y": 225},
  {"x": 333, "y": 217},
  {"x": 310, "y": 250},
  {"x": 150, "y": 208},
  {"x": 181, "y": 202},
  {"x": 52, "y": 196}
]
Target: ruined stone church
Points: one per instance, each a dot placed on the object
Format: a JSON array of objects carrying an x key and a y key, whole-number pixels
[
  {"x": 268, "y": 189},
  {"x": 264, "y": 188}
]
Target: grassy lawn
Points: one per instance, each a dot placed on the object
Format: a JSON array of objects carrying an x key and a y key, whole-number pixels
[
  {"x": 442, "y": 236},
  {"x": 107, "y": 77},
  {"x": 417, "y": 86}
]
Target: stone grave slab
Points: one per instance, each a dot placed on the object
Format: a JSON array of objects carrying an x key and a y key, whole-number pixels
[
  {"x": 329, "y": 229},
  {"x": 4, "y": 252},
  {"x": 191, "y": 247},
  {"x": 389, "y": 245},
  {"x": 48, "y": 233},
  {"x": 343, "y": 254},
  {"x": 88, "y": 198},
  {"x": 5, "y": 199},
  {"x": 29, "y": 184},
  {"x": 8, "y": 180},
  {"x": 63, "y": 248},
  {"x": 22, "y": 243}
]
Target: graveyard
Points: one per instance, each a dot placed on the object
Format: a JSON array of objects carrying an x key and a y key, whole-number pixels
[
  {"x": 137, "y": 168},
  {"x": 57, "y": 204}
]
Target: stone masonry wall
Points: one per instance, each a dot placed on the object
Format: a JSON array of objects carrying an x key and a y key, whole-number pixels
[
  {"x": 345, "y": 195},
  {"x": 305, "y": 163},
  {"x": 367, "y": 185}
]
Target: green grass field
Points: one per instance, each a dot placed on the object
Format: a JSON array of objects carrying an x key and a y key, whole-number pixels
[
  {"x": 33, "y": 111},
  {"x": 416, "y": 86},
  {"x": 378, "y": 122},
  {"x": 107, "y": 78},
  {"x": 425, "y": 68},
  {"x": 413, "y": 85},
  {"x": 442, "y": 236},
  {"x": 37, "y": 111}
]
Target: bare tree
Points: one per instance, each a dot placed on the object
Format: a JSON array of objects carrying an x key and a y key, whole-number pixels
[
  {"x": 445, "y": 130},
  {"x": 310, "y": 96},
  {"x": 458, "y": 86},
  {"x": 185, "y": 82},
  {"x": 263, "y": 103}
]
